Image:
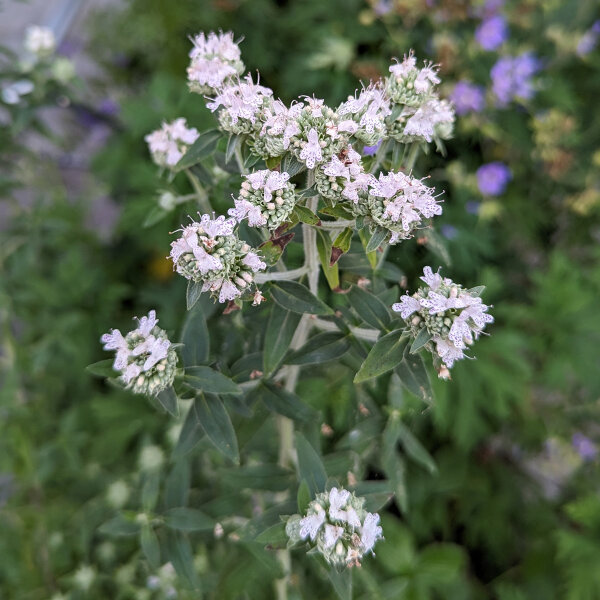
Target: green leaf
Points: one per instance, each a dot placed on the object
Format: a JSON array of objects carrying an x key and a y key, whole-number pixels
[
  {"x": 369, "y": 308},
  {"x": 232, "y": 144},
  {"x": 274, "y": 536},
  {"x": 273, "y": 161},
  {"x": 324, "y": 246},
  {"x": 341, "y": 245},
  {"x": 476, "y": 291},
  {"x": 204, "y": 146},
  {"x": 385, "y": 355},
  {"x": 188, "y": 519},
  {"x": 150, "y": 489},
  {"x": 337, "y": 211},
  {"x": 156, "y": 215},
  {"x": 281, "y": 327},
  {"x": 191, "y": 433},
  {"x": 178, "y": 552},
  {"x": 195, "y": 338},
  {"x": 291, "y": 165},
  {"x": 257, "y": 477},
  {"x": 437, "y": 244},
  {"x": 310, "y": 467},
  {"x": 280, "y": 401},
  {"x": 414, "y": 377},
  {"x": 192, "y": 294},
  {"x": 272, "y": 249},
  {"x": 215, "y": 421},
  {"x": 303, "y": 497},
  {"x": 321, "y": 348},
  {"x": 266, "y": 560},
  {"x": 168, "y": 400},
  {"x": 413, "y": 447},
  {"x": 422, "y": 338},
  {"x": 296, "y": 297},
  {"x": 119, "y": 526},
  {"x": 341, "y": 582},
  {"x": 306, "y": 215},
  {"x": 376, "y": 240},
  {"x": 376, "y": 493},
  {"x": 102, "y": 368},
  {"x": 205, "y": 379},
  {"x": 150, "y": 546},
  {"x": 177, "y": 486},
  {"x": 364, "y": 240}
]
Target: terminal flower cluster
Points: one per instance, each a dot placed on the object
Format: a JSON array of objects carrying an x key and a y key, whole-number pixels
[
  {"x": 40, "y": 41},
  {"x": 169, "y": 143},
  {"x": 337, "y": 526},
  {"x": 145, "y": 356},
  {"x": 210, "y": 252},
  {"x": 215, "y": 58},
  {"x": 452, "y": 316},
  {"x": 266, "y": 199}
]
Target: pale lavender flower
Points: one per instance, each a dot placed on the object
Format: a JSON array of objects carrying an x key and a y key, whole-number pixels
[
  {"x": 432, "y": 118},
  {"x": 311, "y": 152},
  {"x": 584, "y": 446},
  {"x": 588, "y": 40},
  {"x": 310, "y": 525},
  {"x": 168, "y": 144},
  {"x": 492, "y": 32},
  {"x": 468, "y": 97},
  {"x": 512, "y": 77},
  {"x": 492, "y": 178}
]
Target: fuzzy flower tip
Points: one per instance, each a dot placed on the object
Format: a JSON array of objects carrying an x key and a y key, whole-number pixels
[
  {"x": 214, "y": 59},
  {"x": 168, "y": 144},
  {"x": 338, "y": 526},
  {"x": 398, "y": 203},
  {"x": 209, "y": 252},
  {"x": 452, "y": 317},
  {"x": 266, "y": 199},
  {"x": 144, "y": 357}
]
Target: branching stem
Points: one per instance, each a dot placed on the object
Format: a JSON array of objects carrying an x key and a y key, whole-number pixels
[{"x": 199, "y": 193}]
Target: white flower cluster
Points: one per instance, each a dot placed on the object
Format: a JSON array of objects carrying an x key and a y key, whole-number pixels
[
  {"x": 453, "y": 316},
  {"x": 210, "y": 252},
  {"x": 239, "y": 104},
  {"x": 343, "y": 177},
  {"x": 421, "y": 115},
  {"x": 215, "y": 58},
  {"x": 369, "y": 111},
  {"x": 40, "y": 41},
  {"x": 338, "y": 526},
  {"x": 398, "y": 202},
  {"x": 266, "y": 199},
  {"x": 145, "y": 356},
  {"x": 275, "y": 127},
  {"x": 169, "y": 143}
]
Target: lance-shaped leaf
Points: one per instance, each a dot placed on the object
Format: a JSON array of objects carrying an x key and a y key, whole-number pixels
[
  {"x": 195, "y": 338},
  {"x": 341, "y": 582},
  {"x": 321, "y": 348},
  {"x": 414, "y": 377},
  {"x": 413, "y": 447},
  {"x": 296, "y": 297},
  {"x": 341, "y": 245},
  {"x": 385, "y": 355},
  {"x": 305, "y": 215},
  {"x": 437, "y": 244},
  {"x": 215, "y": 421},
  {"x": 364, "y": 240},
  {"x": 280, "y": 330},
  {"x": 178, "y": 551},
  {"x": 376, "y": 240},
  {"x": 310, "y": 466},
  {"x": 188, "y": 519},
  {"x": 204, "y": 146},
  {"x": 102, "y": 368},
  {"x": 205, "y": 379},
  {"x": 337, "y": 211},
  {"x": 272, "y": 249},
  {"x": 119, "y": 526},
  {"x": 324, "y": 251},
  {"x": 292, "y": 165},
  {"x": 422, "y": 338},
  {"x": 280, "y": 401},
  {"x": 257, "y": 477},
  {"x": 233, "y": 143},
  {"x": 192, "y": 294},
  {"x": 191, "y": 433},
  {"x": 150, "y": 546},
  {"x": 369, "y": 308},
  {"x": 168, "y": 400}
]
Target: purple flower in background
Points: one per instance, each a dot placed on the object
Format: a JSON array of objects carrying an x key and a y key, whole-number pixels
[
  {"x": 468, "y": 97},
  {"x": 493, "y": 178},
  {"x": 584, "y": 446},
  {"x": 371, "y": 150},
  {"x": 473, "y": 207},
  {"x": 109, "y": 107},
  {"x": 449, "y": 231},
  {"x": 492, "y": 32},
  {"x": 383, "y": 7},
  {"x": 511, "y": 77},
  {"x": 588, "y": 40}
]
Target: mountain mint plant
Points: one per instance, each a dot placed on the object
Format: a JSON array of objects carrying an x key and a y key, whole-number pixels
[{"x": 319, "y": 198}]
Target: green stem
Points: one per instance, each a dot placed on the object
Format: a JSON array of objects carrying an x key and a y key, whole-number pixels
[
  {"x": 412, "y": 157},
  {"x": 199, "y": 193}
]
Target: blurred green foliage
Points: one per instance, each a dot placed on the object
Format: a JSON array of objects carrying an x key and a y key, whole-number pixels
[{"x": 511, "y": 510}]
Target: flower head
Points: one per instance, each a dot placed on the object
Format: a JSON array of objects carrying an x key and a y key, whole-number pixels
[
  {"x": 452, "y": 316},
  {"x": 338, "y": 526},
  {"x": 168, "y": 144},
  {"x": 468, "y": 97},
  {"x": 40, "y": 41},
  {"x": 512, "y": 77},
  {"x": 492, "y": 178},
  {"x": 492, "y": 32},
  {"x": 145, "y": 356}
]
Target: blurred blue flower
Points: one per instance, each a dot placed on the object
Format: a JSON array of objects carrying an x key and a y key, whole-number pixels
[
  {"x": 371, "y": 150},
  {"x": 449, "y": 231},
  {"x": 468, "y": 97},
  {"x": 584, "y": 446},
  {"x": 383, "y": 7},
  {"x": 493, "y": 178},
  {"x": 589, "y": 40},
  {"x": 472, "y": 207},
  {"x": 511, "y": 77},
  {"x": 492, "y": 32}
]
